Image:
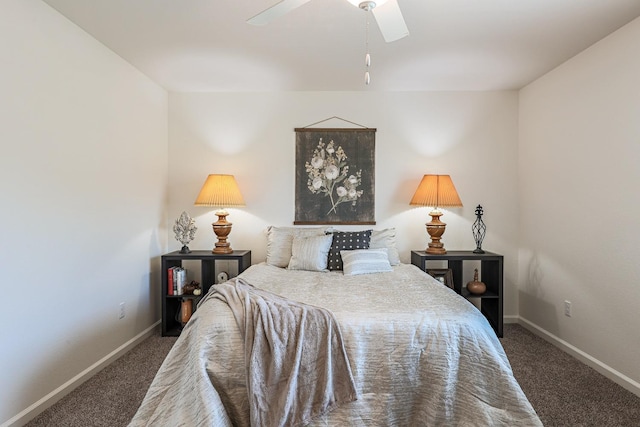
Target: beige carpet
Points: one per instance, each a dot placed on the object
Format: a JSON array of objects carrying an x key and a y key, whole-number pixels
[{"x": 563, "y": 391}]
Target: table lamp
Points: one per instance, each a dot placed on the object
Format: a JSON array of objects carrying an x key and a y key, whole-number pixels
[
  {"x": 220, "y": 191},
  {"x": 437, "y": 191}
]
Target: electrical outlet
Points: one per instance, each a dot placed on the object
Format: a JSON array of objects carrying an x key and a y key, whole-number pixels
[
  {"x": 567, "y": 308},
  {"x": 122, "y": 311}
]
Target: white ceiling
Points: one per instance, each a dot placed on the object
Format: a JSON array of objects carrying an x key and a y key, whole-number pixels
[{"x": 206, "y": 45}]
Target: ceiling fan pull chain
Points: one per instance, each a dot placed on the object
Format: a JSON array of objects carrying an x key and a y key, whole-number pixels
[{"x": 367, "y": 56}]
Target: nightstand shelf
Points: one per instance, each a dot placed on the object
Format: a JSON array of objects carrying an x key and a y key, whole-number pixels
[
  {"x": 491, "y": 273},
  {"x": 488, "y": 294},
  {"x": 171, "y": 303}
]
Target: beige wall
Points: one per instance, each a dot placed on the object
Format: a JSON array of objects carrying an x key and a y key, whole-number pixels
[
  {"x": 469, "y": 135},
  {"x": 579, "y": 207},
  {"x": 83, "y": 172}
]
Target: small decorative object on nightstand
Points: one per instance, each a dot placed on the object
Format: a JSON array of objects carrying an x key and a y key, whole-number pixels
[
  {"x": 476, "y": 287},
  {"x": 186, "y": 310},
  {"x": 185, "y": 231},
  {"x": 190, "y": 289},
  {"x": 479, "y": 230}
]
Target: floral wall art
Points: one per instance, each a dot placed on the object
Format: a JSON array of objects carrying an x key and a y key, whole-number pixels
[{"x": 335, "y": 176}]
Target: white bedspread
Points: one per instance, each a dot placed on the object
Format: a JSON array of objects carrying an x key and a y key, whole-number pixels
[{"x": 420, "y": 355}]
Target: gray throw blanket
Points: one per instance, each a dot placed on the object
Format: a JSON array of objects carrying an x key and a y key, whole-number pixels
[{"x": 297, "y": 367}]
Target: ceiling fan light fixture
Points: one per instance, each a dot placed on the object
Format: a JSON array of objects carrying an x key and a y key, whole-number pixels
[
  {"x": 367, "y": 5},
  {"x": 359, "y": 3}
]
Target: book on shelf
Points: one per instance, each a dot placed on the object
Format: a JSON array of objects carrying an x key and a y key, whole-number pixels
[
  {"x": 179, "y": 280},
  {"x": 183, "y": 282},
  {"x": 170, "y": 280}
]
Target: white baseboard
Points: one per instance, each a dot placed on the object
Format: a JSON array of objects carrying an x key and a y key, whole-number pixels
[
  {"x": 41, "y": 405},
  {"x": 511, "y": 319},
  {"x": 604, "y": 369}
]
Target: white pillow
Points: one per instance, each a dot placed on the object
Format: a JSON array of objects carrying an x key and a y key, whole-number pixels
[
  {"x": 386, "y": 239},
  {"x": 365, "y": 261},
  {"x": 280, "y": 239},
  {"x": 310, "y": 253}
]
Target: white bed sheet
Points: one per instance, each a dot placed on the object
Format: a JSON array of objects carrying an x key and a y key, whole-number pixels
[{"x": 420, "y": 355}]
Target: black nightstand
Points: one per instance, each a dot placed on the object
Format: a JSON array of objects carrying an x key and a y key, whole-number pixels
[
  {"x": 491, "y": 271},
  {"x": 171, "y": 303}
]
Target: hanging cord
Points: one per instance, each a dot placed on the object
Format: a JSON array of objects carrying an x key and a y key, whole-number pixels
[
  {"x": 367, "y": 56},
  {"x": 338, "y": 118}
]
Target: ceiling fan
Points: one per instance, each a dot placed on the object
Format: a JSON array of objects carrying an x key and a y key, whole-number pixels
[{"x": 386, "y": 12}]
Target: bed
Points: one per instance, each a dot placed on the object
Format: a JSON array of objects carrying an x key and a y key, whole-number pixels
[{"x": 419, "y": 354}]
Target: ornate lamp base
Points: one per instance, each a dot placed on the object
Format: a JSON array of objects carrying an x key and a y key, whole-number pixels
[
  {"x": 436, "y": 229},
  {"x": 222, "y": 228}
]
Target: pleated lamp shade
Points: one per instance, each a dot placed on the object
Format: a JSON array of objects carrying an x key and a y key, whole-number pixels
[
  {"x": 220, "y": 191},
  {"x": 436, "y": 191}
]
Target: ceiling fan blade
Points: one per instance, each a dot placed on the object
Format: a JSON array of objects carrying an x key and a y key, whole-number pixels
[
  {"x": 275, "y": 11},
  {"x": 390, "y": 21}
]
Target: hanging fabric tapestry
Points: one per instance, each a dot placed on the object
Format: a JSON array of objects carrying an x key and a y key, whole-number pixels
[{"x": 335, "y": 176}]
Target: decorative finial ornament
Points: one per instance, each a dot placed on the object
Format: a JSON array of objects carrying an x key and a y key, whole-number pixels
[
  {"x": 185, "y": 231},
  {"x": 479, "y": 230}
]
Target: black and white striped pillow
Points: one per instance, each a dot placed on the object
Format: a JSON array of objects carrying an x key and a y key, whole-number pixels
[{"x": 366, "y": 261}]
